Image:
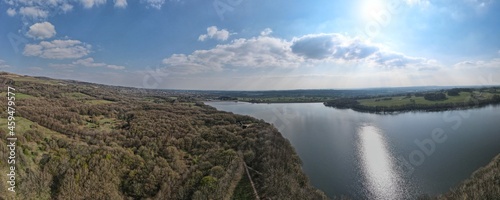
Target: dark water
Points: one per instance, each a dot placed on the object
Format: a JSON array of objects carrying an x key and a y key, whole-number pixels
[{"x": 370, "y": 156}]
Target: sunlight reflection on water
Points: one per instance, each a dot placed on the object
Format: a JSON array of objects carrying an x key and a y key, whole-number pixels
[{"x": 381, "y": 177}]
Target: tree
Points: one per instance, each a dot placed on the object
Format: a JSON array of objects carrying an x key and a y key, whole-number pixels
[
  {"x": 454, "y": 92},
  {"x": 435, "y": 96}
]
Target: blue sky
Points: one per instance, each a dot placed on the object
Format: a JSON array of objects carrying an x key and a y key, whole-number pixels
[{"x": 254, "y": 45}]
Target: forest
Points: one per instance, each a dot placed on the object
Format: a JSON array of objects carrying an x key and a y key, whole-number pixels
[{"x": 87, "y": 141}]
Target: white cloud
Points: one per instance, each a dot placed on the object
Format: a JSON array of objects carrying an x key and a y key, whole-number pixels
[
  {"x": 41, "y": 31},
  {"x": 92, "y": 3},
  {"x": 120, "y": 3},
  {"x": 11, "y": 12},
  {"x": 33, "y": 12},
  {"x": 247, "y": 53},
  {"x": 396, "y": 60},
  {"x": 117, "y": 67},
  {"x": 266, "y": 32},
  {"x": 58, "y": 49},
  {"x": 89, "y": 62},
  {"x": 154, "y": 3},
  {"x": 493, "y": 63},
  {"x": 213, "y": 32}
]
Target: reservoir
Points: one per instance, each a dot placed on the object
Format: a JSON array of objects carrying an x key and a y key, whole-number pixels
[{"x": 382, "y": 156}]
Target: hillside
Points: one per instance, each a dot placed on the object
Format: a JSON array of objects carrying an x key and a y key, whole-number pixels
[{"x": 88, "y": 141}]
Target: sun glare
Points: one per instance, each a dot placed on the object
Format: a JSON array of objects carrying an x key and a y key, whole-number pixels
[
  {"x": 369, "y": 8},
  {"x": 377, "y": 163}
]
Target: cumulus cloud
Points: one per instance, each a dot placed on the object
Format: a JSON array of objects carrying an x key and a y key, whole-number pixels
[
  {"x": 11, "y": 12},
  {"x": 33, "y": 12},
  {"x": 307, "y": 50},
  {"x": 342, "y": 48},
  {"x": 120, "y": 3},
  {"x": 157, "y": 4},
  {"x": 315, "y": 46},
  {"x": 250, "y": 53},
  {"x": 58, "y": 49},
  {"x": 336, "y": 46},
  {"x": 41, "y": 31},
  {"x": 213, "y": 32}
]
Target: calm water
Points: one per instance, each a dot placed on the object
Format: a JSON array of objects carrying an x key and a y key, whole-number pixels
[{"x": 372, "y": 156}]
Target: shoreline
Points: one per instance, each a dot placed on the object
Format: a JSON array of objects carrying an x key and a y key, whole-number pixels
[{"x": 395, "y": 110}]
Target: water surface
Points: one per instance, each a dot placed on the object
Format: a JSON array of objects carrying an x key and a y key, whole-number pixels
[{"x": 374, "y": 156}]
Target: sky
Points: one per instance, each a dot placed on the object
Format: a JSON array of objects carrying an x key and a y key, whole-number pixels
[{"x": 254, "y": 44}]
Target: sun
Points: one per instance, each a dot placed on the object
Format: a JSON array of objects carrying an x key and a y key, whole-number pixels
[{"x": 369, "y": 8}]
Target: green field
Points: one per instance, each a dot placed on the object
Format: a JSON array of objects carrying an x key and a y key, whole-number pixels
[
  {"x": 97, "y": 101},
  {"x": 77, "y": 95},
  {"x": 100, "y": 123},
  {"x": 23, "y": 125},
  {"x": 30, "y": 142},
  {"x": 18, "y": 96},
  {"x": 464, "y": 97},
  {"x": 85, "y": 98}
]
